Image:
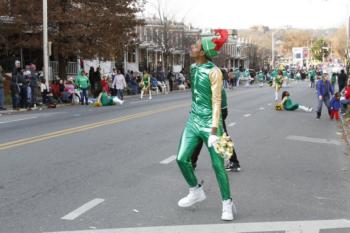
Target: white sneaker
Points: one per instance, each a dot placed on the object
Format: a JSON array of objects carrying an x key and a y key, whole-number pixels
[
  {"x": 150, "y": 97},
  {"x": 228, "y": 210},
  {"x": 195, "y": 195}
]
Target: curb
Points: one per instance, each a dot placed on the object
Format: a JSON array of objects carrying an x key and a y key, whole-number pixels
[
  {"x": 130, "y": 97},
  {"x": 11, "y": 112},
  {"x": 345, "y": 131}
]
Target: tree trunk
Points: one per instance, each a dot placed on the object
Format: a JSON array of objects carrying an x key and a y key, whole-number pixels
[{"x": 62, "y": 64}]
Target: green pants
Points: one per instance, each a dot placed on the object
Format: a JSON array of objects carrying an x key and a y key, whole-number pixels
[{"x": 192, "y": 135}]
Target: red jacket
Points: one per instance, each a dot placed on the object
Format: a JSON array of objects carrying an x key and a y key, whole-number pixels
[
  {"x": 347, "y": 92},
  {"x": 105, "y": 86}
]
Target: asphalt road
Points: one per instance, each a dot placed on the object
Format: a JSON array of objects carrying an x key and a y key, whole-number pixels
[{"x": 83, "y": 168}]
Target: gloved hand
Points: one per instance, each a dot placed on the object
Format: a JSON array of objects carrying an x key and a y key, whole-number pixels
[{"x": 212, "y": 140}]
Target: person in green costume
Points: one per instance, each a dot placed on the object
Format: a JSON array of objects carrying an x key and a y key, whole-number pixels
[
  {"x": 290, "y": 106},
  {"x": 312, "y": 77},
  {"x": 204, "y": 123},
  {"x": 233, "y": 163},
  {"x": 146, "y": 85},
  {"x": 107, "y": 100},
  {"x": 261, "y": 78},
  {"x": 333, "y": 79},
  {"x": 278, "y": 80}
]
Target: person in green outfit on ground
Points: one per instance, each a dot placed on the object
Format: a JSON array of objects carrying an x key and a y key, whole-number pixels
[
  {"x": 107, "y": 100},
  {"x": 290, "y": 106},
  {"x": 204, "y": 123}
]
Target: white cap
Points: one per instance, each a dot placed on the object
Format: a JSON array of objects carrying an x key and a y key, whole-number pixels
[{"x": 17, "y": 62}]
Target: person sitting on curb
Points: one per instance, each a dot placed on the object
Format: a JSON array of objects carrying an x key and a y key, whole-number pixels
[
  {"x": 290, "y": 106},
  {"x": 68, "y": 92},
  {"x": 345, "y": 99}
]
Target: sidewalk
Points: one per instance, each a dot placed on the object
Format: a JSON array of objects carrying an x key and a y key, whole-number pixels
[
  {"x": 10, "y": 111},
  {"x": 345, "y": 120}
]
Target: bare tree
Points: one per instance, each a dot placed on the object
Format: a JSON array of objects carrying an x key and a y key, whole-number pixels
[{"x": 94, "y": 28}]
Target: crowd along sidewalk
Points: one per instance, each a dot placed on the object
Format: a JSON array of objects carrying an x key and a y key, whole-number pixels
[{"x": 10, "y": 111}]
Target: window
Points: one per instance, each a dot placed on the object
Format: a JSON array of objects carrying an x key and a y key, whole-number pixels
[
  {"x": 149, "y": 35},
  {"x": 131, "y": 55}
]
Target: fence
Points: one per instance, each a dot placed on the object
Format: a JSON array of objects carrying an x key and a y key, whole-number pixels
[{"x": 71, "y": 68}]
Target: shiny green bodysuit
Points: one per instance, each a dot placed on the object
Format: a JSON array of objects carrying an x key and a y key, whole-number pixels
[
  {"x": 206, "y": 85},
  {"x": 289, "y": 105}
]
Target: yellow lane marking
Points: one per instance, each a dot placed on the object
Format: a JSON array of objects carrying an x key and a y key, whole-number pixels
[{"x": 59, "y": 133}]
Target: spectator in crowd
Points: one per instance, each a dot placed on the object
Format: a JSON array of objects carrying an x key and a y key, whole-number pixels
[
  {"x": 324, "y": 93},
  {"x": 83, "y": 84},
  {"x": 231, "y": 79},
  {"x": 345, "y": 99},
  {"x": 44, "y": 92},
  {"x": 92, "y": 79},
  {"x": 16, "y": 84},
  {"x": 34, "y": 84},
  {"x": 342, "y": 80},
  {"x": 2, "y": 96},
  {"x": 171, "y": 79},
  {"x": 134, "y": 87},
  {"x": 56, "y": 90},
  {"x": 97, "y": 80},
  {"x": 25, "y": 101},
  {"x": 105, "y": 84},
  {"x": 224, "y": 76},
  {"x": 154, "y": 84},
  {"x": 68, "y": 92},
  {"x": 335, "y": 106},
  {"x": 120, "y": 84}
]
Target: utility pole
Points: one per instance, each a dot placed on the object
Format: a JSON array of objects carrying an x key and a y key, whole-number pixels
[
  {"x": 273, "y": 51},
  {"x": 45, "y": 44}
]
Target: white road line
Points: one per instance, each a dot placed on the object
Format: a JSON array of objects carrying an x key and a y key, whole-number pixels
[
  {"x": 22, "y": 119},
  {"x": 247, "y": 115},
  {"x": 168, "y": 160},
  {"x": 269, "y": 104},
  {"x": 262, "y": 108},
  {"x": 314, "y": 140},
  {"x": 232, "y": 124},
  {"x": 84, "y": 208},
  {"x": 290, "y": 227}
]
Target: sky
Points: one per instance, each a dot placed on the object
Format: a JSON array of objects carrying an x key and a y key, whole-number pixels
[{"x": 240, "y": 14}]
